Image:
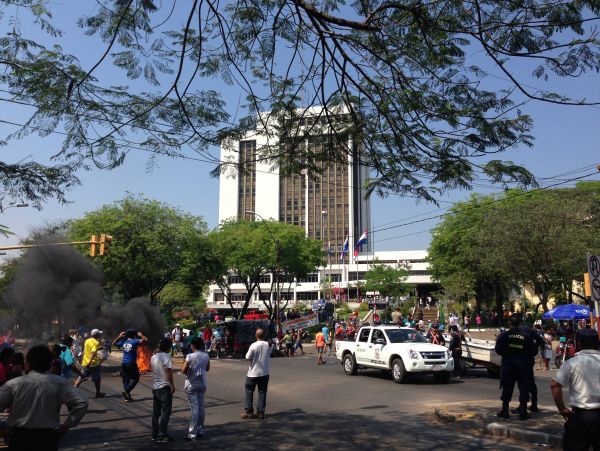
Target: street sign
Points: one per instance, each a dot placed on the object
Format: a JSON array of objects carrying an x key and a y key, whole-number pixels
[{"x": 594, "y": 270}]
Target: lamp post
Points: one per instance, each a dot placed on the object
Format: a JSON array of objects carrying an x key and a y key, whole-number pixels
[
  {"x": 277, "y": 254},
  {"x": 323, "y": 216},
  {"x": 17, "y": 205}
]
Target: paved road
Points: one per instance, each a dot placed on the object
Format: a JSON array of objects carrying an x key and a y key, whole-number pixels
[{"x": 308, "y": 407}]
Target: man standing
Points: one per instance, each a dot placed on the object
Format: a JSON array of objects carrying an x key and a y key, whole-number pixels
[
  {"x": 91, "y": 362},
  {"x": 207, "y": 336},
  {"x": 129, "y": 342},
  {"x": 177, "y": 334},
  {"x": 35, "y": 400},
  {"x": 434, "y": 336},
  {"x": 320, "y": 345},
  {"x": 162, "y": 391},
  {"x": 517, "y": 348},
  {"x": 580, "y": 375},
  {"x": 326, "y": 336},
  {"x": 258, "y": 355},
  {"x": 196, "y": 365}
]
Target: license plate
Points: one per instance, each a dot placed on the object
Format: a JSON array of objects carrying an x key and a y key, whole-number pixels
[{"x": 438, "y": 368}]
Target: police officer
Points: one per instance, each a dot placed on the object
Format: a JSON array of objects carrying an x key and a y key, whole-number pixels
[
  {"x": 533, "y": 391},
  {"x": 517, "y": 348},
  {"x": 580, "y": 376}
]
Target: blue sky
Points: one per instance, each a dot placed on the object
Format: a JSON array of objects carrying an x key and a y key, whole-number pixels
[{"x": 566, "y": 139}]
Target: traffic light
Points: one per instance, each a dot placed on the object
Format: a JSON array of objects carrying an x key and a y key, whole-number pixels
[
  {"x": 105, "y": 244},
  {"x": 93, "y": 244}
]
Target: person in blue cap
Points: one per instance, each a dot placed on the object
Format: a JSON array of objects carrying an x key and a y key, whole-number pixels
[{"x": 129, "y": 341}]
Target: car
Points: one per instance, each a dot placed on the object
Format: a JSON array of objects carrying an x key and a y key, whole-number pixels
[{"x": 399, "y": 350}]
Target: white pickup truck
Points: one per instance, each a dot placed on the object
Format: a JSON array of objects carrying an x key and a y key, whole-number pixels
[{"x": 400, "y": 350}]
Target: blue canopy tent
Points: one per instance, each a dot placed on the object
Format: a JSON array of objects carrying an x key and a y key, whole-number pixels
[{"x": 568, "y": 312}]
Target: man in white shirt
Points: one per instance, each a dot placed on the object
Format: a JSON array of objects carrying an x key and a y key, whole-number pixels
[
  {"x": 196, "y": 365},
  {"x": 258, "y": 354},
  {"x": 581, "y": 375},
  {"x": 162, "y": 391},
  {"x": 35, "y": 400}
]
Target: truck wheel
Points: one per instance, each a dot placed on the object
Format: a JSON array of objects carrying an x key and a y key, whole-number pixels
[
  {"x": 442, "y": 377},
  {"x": 398, "y": 371},
  {"x": 350, "y": 365}
]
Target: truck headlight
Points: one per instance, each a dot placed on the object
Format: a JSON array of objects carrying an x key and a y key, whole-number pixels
[
  {"x": 448, "y": 354},
  {"x": 413, "y": 354}
]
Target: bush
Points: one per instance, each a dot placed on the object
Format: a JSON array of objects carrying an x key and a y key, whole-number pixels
[{"x": 363, "y": 307}]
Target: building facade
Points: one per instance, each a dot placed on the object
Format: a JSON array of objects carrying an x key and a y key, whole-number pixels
[
  {"x": 329, "y": 205},
  {"x": 334, "y": 278}
]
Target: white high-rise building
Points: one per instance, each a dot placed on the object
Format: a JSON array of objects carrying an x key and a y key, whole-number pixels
[{"x": 330, "y": 206}]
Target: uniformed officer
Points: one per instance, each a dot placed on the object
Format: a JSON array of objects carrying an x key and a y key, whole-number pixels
[
  {"x": 517, "y": 348},
  {"x": 581, "y": 376}
]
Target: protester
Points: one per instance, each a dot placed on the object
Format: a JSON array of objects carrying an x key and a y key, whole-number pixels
[
  {"x": 548, "y": 354},
  {"x": 580, "y": 375},
  {"x": 478, "y": 322},
  {"x": 35, "y": 401},
  {"x": 207, "y": 336},
  {"x": 91, "y": 362},
  {"x": 67, "y": 359},
  {"x": 195, "y": 367},
  {"x": 298, "y": 341},
  {"x": 517, "y": 348},
  {"x": 258, "y": 354},
  {"x": 130, "y": 372},
  {"x": 320, "y": 345},
  {"x": 288, "y": 342},
  {"x": 434, "y": 336},
  {"x": 162, "y": 391},
  {"x": 177, "y": 335}
]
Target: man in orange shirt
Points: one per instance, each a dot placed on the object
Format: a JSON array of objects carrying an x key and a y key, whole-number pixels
[{"x": 320, "y": 343}]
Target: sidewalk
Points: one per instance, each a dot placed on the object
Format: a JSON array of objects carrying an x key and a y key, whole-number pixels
[{"x": 544, "y": 428}]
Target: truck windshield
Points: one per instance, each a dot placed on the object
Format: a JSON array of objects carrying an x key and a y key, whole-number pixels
[{"x": 405, "y": 336}]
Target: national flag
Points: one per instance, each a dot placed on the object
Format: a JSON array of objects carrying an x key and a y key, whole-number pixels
[
  {"x": 362, "y": 240},
  {"x": 344, "y": 250}
]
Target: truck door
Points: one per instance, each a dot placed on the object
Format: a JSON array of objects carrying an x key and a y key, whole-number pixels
[
  {"x": 362, "y": 346},
  {"x": 376, "y": 349}
]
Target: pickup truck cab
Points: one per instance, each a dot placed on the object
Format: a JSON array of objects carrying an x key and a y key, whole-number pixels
[{"x": 400, "y": 350}]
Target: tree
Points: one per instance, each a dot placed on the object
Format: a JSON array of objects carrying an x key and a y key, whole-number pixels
[
  {"x": 388, "y": 281},
  {"x": 153, "y": 245},
  {"x": 249, "y": 250},
  {"x": 406, "y": 79},
  {"x": 458, "y": 259},
  {"x": 541, "y": 239}
]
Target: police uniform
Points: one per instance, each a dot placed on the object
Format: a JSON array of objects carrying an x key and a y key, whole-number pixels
[
  {"x": 517, "y": 347},
  {"x": 581, "y": 375}
]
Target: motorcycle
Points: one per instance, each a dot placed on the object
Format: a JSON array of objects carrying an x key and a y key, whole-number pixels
[{"x": 564, "y": 351}]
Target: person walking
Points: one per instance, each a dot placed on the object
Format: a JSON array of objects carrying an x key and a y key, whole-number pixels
[
  {"x": 177, "y": 336},
  {"x": 129, "y": 342},
  {"x": 162, "y": 391},
  {"x": 67, "y": 359},
  {"x": 195, "y": 367},
  {"x": 258, "y": 355},
  {"x": 518, "y": 349},
  {"x": 320, "y": 345},
  {"x": 35, "y": 400},
  {"x": 91, "y": 362},
  {"x": 298, "y": 341},
  {"x": 580, "y": 375}
]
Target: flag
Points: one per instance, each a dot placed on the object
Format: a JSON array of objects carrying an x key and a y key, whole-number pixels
[
  {"x": 344, "y": 250},
  {"x": 362, "y": 240}
]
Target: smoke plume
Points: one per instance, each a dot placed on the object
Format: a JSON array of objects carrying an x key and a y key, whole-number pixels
[{"x": 57, "y": 289}]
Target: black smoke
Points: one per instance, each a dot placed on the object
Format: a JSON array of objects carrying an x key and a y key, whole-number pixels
[{"x": 57, "y": 288}]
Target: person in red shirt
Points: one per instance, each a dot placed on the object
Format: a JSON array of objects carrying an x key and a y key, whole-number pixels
[{"x": 207, "y": 337}]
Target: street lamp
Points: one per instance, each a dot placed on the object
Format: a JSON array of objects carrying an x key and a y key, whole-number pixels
[
  {"x": 326, "y": 246},
  {"x": 277, "y": 254},
  {"x": 16, "y": 205}
]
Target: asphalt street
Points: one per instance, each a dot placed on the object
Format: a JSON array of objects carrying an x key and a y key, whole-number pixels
[{"x": 308, "y": 407}]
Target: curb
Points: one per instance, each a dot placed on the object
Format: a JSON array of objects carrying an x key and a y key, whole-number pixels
[{"x": 502, "y": 430}]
